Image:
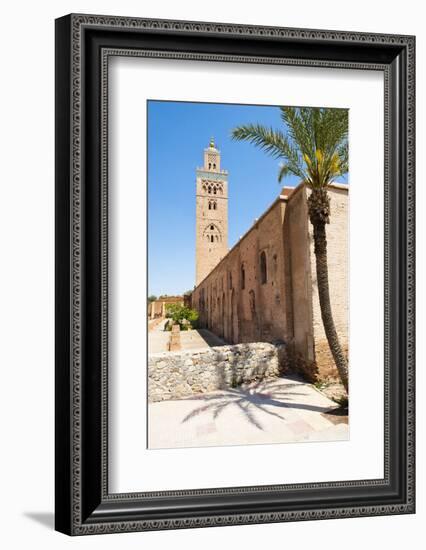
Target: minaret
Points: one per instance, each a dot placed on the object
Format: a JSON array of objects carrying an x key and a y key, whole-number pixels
[{"x": 211, "y": 213}]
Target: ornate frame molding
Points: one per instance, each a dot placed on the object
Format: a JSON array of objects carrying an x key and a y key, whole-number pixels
[{"x": 85, "y": 507}]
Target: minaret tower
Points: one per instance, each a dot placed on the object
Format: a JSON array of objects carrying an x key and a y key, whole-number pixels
[{"x": 211, "y": 213}]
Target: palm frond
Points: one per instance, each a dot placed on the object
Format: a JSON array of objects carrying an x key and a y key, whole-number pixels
[
  {"x": 313, "y": 147},
  {"x": 266, "y": 138},
  {"x": 298, "y": 123},
  {"x": 285, "y": 170},
  {"x": 274, "y": 143},
  {"x": 343, "y": 152}
]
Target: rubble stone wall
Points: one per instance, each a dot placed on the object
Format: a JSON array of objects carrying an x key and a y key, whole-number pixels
[{"x": 173, "y": 375}]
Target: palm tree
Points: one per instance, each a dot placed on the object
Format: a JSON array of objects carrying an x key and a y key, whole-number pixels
[{"x": 315, "y": 149}]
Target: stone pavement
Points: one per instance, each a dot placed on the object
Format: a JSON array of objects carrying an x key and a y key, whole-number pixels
[
  {"x": 283, "y": 410},
  {"x": 158, "y": 339},
  {"x": 199, "y": 339}
]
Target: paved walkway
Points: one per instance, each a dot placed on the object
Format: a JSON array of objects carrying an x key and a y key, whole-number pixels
[
  {"x": 158, "y": 338},
  {"x": 281, "y": 411},
  {"x": 198, "y": 339}
]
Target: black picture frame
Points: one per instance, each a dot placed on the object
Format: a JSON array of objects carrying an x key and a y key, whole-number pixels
[{"x": 83, "y": 45}]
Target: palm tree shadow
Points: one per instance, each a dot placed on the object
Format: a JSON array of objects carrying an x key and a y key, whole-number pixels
[{"x": 253, "y": 402}]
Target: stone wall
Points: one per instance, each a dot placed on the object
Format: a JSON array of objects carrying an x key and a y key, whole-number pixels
[
  {"x": 182, "y": 374},
  {"x": 174, "y": 341}
]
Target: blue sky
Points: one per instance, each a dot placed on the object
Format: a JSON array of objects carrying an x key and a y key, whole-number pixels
[{"x": 178, "y": 132}]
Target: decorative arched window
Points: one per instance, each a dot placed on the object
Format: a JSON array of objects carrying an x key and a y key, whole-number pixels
[
  {"x": 263, "y": 270},
  {"x": 243, "y": 277},
  {"x": 212, "y": 233}
]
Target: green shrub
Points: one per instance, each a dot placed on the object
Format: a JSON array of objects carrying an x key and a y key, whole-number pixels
[{"x": 179, "y": 314}]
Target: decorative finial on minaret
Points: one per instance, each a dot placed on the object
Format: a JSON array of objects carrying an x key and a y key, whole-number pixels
[{"x": 211, "y": 157}]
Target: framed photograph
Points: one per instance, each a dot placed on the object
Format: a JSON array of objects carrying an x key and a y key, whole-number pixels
[{"x": 234, "y": 274}]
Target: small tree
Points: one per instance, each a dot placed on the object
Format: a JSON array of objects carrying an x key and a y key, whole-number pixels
[
  {"x": 179, "y": 314},
  {"x": 151, "y": 298}
]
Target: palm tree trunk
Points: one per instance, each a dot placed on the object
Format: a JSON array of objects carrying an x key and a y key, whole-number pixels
[{"x": 319, "y": 205}]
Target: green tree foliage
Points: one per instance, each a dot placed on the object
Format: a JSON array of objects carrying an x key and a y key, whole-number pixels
[{"x": 182, "y": 315}]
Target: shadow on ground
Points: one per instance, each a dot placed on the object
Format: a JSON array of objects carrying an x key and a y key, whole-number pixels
[
  {"x": 210, "y": 339},
  {"x": 255, "y": 398}
]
